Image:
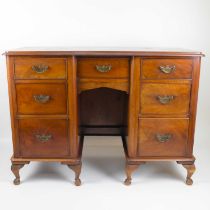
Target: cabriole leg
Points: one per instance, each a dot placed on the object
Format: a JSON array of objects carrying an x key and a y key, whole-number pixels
[
  {"x": 190, "y": 167},
  {"x": 77, "y": 171},
  {"x": 15, "y": 169},
  {"x": 129, "y": 169},
  {"x": 190, "y": 171}
]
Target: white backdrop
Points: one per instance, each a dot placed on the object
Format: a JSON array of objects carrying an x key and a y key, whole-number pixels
[{"x": 98, "y": 23}]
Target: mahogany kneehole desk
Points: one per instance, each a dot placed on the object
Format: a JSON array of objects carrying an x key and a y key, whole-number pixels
[{"x": 147, "y": 97}]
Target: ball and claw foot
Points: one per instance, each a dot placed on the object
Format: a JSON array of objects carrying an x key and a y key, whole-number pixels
[
  {"x": 16, "y": 181},
  {"x": 77, "y": 182},
  {"x": 127, "y": 182},
  {"x": 189, "y": 181}
]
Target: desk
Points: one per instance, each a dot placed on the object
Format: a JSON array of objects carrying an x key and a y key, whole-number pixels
[{"x": 148, "y": 97}]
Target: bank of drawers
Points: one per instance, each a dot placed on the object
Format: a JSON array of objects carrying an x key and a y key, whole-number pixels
[
  {"x": 41, "y": 91},
  {"x": 164, "y": 107},
  {"x": 41, "y": 95}
]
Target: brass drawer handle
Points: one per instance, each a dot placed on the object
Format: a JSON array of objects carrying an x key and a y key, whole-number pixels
[
  {"x": 103, "y": 68},
  {"x": 167, "y": 69},
  {"x": 165, "y": 99},
  {"x": 41, "y": 98},
  {"x": 43, "y": 138},
  {"x": 40, "y": 68},
  {"x": 163, "y": 137}
]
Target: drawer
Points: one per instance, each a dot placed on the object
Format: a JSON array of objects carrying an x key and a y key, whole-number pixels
[
  {"x": 163, "y": 137},
  {"x": 165, "y": 98},
  {"x": 166, "y": 68},
  {"x": 43, "y": 138},
  {"x": 40, "y": 68},
  {"x": 41, "y": 98},
  {"x": 103, "y": 67}
]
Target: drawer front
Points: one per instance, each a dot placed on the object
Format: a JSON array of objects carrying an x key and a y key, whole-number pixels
[
  {"x": 43, "y": 138},
  {"x": 163, "y": 137},
  {"x": 166, "y": 68},
  {"x": 165, "y": 98},
  {"x": 40, "y": 68},
  {"x": 41, "y": 98},
  {"x": 103, "y": 67}
]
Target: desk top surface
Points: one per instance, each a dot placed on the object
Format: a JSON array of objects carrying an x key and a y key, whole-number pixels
[{"x": 100, "y": 51}]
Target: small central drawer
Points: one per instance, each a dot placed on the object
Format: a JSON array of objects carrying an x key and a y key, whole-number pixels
[
  {"x": 41, "y": 98},
  {"x": 163, "y": 98},
  {"x": 43, "y": 138},
  {"x": 103, "y": 68},
  {"x": 40, "y": 68}
]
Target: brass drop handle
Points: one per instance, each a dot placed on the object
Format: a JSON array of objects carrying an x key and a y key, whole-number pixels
[
  {"x": 167, "y": 69},
  {"x": 43, "y": 138},
  {"x": 163, "y": 137},
  {"x": 41, "y": 98},
  {"x": 40, "y": 68},
  {"x": 103, "y": 68},
  {"x": 165, "y": 99}
]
